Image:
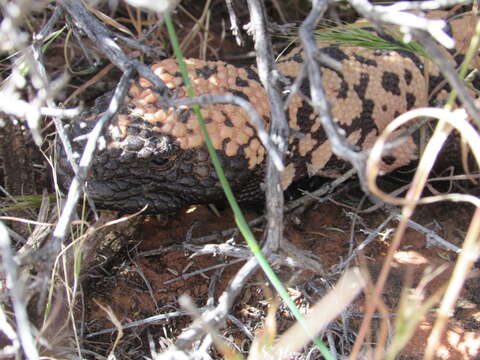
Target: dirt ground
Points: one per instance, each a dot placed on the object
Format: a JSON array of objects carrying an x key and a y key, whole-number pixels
[{"x": 150, "y": 272}]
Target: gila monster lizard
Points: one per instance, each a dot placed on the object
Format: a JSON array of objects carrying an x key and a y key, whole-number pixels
[{"x": 157, "y": 157}]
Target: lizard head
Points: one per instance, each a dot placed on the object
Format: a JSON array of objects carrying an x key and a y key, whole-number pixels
[{"x": 140, "y": 161}]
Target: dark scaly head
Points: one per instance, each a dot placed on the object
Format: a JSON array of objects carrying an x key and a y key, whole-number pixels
[{"x": 157, "y": 157}]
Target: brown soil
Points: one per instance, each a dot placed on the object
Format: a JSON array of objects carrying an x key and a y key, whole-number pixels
[{"x": 323, "y": 231}]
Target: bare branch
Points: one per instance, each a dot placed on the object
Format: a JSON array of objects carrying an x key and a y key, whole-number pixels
[
  {"x": 78, "y": 181},
  {"x": 16, "y": 287},
  {"x": 378, "y": 14},
  {"x": 225, "y": 302},
  {"x": 340, "y": 146},
  {"x": 104, "y": 39},
  {"x": 233, "y": 23},
  {"x": 279, "y": 129}
]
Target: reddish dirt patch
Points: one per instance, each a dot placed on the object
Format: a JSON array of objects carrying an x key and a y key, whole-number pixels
[{"x": 142, "y": 284}]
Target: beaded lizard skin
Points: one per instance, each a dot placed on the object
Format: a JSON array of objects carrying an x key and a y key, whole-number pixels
[{"x": 156, "y": 157}]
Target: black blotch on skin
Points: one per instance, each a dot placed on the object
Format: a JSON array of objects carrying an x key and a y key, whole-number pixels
[
  {"x": 206, "y": 71},
  {"x": 297, "y": 58},
  {"x": 224, "y": 144},
  {"x": 303, "y": 119},
  {"x": 226, "y": 117},
  {"x": 183, "y": 115},
  {"x": 397, "y": 114},
  {"x": 251, "y": 74},
  {"x": 414, "y": 58},
  {"x": 459, "y": 59},
  {"x": 476, "y": 81},
  {"x": 291, "y": 154},
  {"x": 343, "y": 91},
  {"x": 305, "y": 87},
  {"x": 411, "y": 100},
  {"x": 364, "y": 120},
  {"x": 388, "y": 159},
  {"x": 364, "y": 60},
  {"x": 367, "y": 109},
  {"x": 361, "y": 88},
  {"x": 335, "y": 53},
  {"x": 241, "y": 82},
  {"x": 344, "y": 87},
  {"x": 391, "y": 82},
  {"x": 408, "y": 76},
  {"x": 384, "y": 107},
  {"x": 227, "y": 122}
]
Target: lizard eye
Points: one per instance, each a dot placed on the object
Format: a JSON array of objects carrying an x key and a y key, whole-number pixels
[{"x": 163, "y": 162}]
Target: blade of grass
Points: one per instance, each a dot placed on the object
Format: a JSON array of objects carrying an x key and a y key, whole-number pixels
[
  {"x": 353, "y": 35},
  {"x": 24, "y": 202},
  {"x": 239, "y": 218}
]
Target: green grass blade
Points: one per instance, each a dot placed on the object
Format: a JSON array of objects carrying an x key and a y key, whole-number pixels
[
  {"x": 239, "y": 218},
  {"x": 353, "y": 35}
]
